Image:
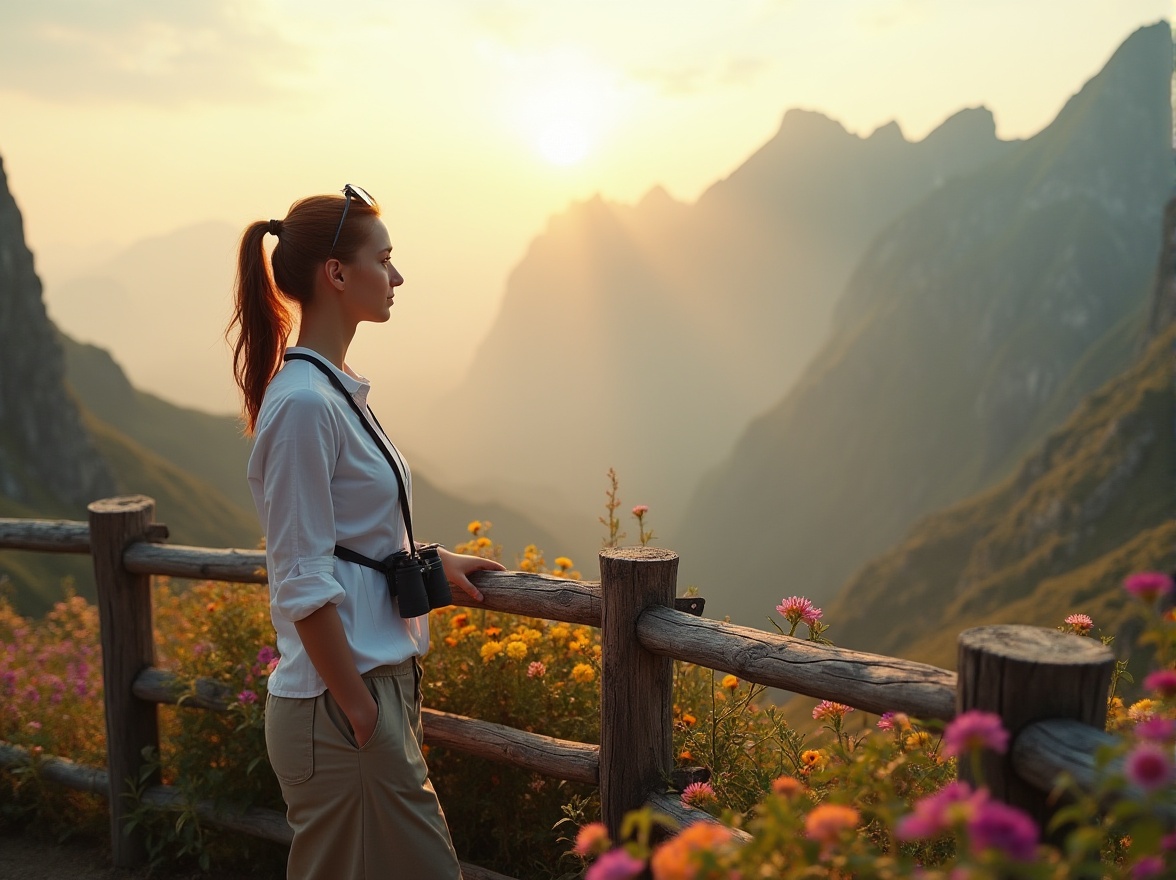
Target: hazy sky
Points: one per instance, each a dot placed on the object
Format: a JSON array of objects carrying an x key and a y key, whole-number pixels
[{"x": 474, "y": 120}]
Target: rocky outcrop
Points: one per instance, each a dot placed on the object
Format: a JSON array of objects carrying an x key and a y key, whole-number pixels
[{"x": 46, "y": 457}]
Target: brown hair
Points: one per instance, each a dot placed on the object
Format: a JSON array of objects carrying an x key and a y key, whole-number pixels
[{"x": 266, "y": 289}]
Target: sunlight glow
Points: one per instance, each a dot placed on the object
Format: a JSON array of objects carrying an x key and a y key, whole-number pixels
[{"x": 567, "y": 106}]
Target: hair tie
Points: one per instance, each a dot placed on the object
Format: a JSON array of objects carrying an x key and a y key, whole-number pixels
[{"x": 275, "y": 227}]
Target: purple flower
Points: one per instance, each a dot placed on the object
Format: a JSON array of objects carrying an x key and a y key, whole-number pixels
[
  {"x": 1157, "y": 729},
  {"x": 1149, "y": 766},
  {"x": 1163, "y": 682},
  {"x": 265, "y": 655},
  {"x": 886, "y": 722},
  {"x": 974, "y": 730},
  {"x": 1148, "y": 585},
  {"x": 615, "y": 865},
  {"x": 1147, "y": 867},
  {"x": 998, "y": 826},
  {"x": 247, "y": 697},
  {"x": 936, "y": 813}
]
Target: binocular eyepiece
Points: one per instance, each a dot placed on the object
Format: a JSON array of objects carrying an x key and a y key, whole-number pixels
[{"x": 418, "y": 581}]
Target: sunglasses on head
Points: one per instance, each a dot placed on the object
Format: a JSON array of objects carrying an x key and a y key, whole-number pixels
[{"x": 350, "y": 192}]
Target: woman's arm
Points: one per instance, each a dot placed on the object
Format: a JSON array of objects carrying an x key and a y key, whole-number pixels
[{"x": 326, "y": 645}]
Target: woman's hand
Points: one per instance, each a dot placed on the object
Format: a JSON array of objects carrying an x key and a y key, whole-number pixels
[
  {"x": 459, "y": 567},
  {"x": 363, "y": 720}
]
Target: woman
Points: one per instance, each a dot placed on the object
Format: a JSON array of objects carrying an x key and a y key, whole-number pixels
[{"x": 343, "y": 724}]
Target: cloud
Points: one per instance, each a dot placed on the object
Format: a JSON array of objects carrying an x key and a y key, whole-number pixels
[
  {"x": 143, "y": 51},
  {"x": 685, "y": 81}
]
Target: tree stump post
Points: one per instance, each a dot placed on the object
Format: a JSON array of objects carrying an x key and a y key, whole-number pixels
[
  {"x": 636, "y": 701},
  {"x": 128, "y": 647},
  {"x": 1026, "y": 674}
]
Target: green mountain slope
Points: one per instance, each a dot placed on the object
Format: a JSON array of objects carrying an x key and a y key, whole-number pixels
[
  {"x": 974, "y": 324},
  {"x": 1094, "y": 502}
]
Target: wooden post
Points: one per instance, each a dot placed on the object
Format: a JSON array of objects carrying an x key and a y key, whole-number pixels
[
  {"x": 124, "y": 608},
  {"x": 636, "y": 701},
  {"x": 1026, "y": 674}
]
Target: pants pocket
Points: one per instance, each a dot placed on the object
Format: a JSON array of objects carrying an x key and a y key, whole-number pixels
[
  {"x": 289, "y": 738},
  {"x": 343, "y": 726}
]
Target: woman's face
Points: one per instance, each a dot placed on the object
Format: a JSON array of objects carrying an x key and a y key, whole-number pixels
[{"x": 371, "y": 279}]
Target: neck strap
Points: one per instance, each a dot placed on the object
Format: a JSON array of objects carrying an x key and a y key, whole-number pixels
[{"x": 400, "y": 481}]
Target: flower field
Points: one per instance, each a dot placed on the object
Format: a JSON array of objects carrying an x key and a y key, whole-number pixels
[{"x": 861, "y": 797}]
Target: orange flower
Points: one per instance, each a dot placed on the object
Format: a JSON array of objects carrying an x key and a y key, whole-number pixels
[
  {"x": 492, "y": 631},
  {"x": 675, "y": 859},
  {"x": 730, "y": 682},
  {"x": 460, "y": 620},
  {"x": 826, "y": 822},
  {"x": 787, "y": 786},
  {"x": 685, "y": 755}
]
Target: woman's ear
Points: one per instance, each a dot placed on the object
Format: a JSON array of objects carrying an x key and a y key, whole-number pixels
[{"x": 333, "y": 269}]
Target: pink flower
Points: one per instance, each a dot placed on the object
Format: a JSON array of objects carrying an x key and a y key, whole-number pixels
[
  {"x": 1149, "y": 766},
  {"x": 591, "y": 840},
  {"x": 265, "y": 655},
  {"x": 1163, "y": 682},
  {"x": 1147, "y": 867},
  {"x": 936, "y": 813},
  {"x": 1148, "y": 585},
  {"x": 247, "y": 697},
  {"x": 826, "y": 710},
  {"x": 699, "y": 794},
  {"x": 998, "y": 826},
  {"x": 797, "y": 608},
  {"x": 640, "y": 510},
  {"x": 615, "y": 865},
  {"x": 1081, "y": 623},
  {"x": 1156, "y": 729},
  {"x": 886, "y": 722},
  {"x": 536, "y": 670},
  {"x": 975, "y": 729}
]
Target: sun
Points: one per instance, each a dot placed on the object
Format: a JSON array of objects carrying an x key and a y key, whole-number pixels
[{"x": 565, "y": 110}]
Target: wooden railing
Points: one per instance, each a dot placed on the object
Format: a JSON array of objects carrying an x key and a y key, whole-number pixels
[{"x": 1048, "y": 687}]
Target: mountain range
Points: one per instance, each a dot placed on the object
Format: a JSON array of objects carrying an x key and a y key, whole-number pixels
[
  {"x": 645, "y": 337},
  {"x": 973, "y": 325}
]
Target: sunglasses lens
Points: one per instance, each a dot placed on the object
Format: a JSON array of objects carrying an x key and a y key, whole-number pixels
[{"x": 360, "y": 193}]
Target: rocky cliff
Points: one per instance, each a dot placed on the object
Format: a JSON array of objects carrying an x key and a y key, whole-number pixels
[{"x": 47, "y": 460}]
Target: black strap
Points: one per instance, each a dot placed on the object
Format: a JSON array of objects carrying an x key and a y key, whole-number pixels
[{"x": 400, "y": 483}]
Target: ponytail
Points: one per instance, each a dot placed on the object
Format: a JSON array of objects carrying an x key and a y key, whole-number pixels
[
  {"x": 266, "y": 289},
  {"x": 264, "y": 320}
]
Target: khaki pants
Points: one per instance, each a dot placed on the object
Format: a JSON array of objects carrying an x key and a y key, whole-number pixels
[{"x": 359, "y": 813}]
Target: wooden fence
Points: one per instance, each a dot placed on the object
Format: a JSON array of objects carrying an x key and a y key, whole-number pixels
[{"x": 1048, "y": 687}]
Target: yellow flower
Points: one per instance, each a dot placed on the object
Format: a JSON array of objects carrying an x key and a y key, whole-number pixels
[
  {"x": 516, "y": 650},
  {"x": 490, "y": 650},
  {"x": 563, "y": 562},
  {"x": 730, "y": 682},
  {"x": 920, "y": 739},
  {"x": 1142, "y": 710},
  {"x": 474, "y": 527},
  {"x": 583, "y": 673},
  {"x": 531, "y": 636},
  {"x": 577, "y": 646},
  {"x": 483, "y": 542},
  {"x": 468, "y": 630},
  {"x": 560, "y": 632}
]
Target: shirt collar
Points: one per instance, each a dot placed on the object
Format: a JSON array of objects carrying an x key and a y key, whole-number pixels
[{"x": 357, "y": 386}]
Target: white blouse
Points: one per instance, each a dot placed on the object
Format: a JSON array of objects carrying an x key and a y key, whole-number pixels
[{"x": 318, "y": 480}]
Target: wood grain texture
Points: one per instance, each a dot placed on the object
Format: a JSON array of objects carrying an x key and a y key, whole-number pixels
[
  {"x": 669, "y": 803},
  {"x": 870, "y": 682},
  {"x": 636, "y": 699},
  {"x": 1027, "y": 674},
  {"x": 46, "y": 535},
  {"x": 558, "y": 758},
  {"x": 128, "y": 647}
]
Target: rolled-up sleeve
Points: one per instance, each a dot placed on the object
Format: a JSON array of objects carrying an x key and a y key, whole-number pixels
[{"x": 299, "y": 447}]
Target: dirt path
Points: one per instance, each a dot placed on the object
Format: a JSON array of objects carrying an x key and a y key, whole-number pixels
[{"x": 24, "y": 858}]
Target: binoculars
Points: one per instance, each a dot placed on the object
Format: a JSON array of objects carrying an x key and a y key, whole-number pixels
[{"x": 418, "y": 581}]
